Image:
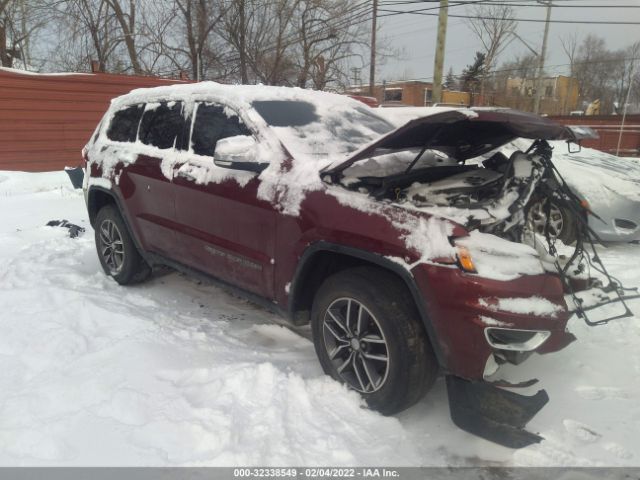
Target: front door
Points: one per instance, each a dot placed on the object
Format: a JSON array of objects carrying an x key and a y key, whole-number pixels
[{"x": 224, "y": 229}]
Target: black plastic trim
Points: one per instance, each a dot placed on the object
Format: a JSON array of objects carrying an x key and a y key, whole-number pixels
[
  {"x": 264, "y": 302},
  {"x": 125, "y": 218},
  {"x": 380, "y": 261}
]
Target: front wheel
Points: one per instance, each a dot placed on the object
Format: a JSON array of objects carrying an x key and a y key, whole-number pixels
[
  {"x": 367, "y": 334},
  {"x": 118, "y": 254},
  {"x": 562, "y": 223}
]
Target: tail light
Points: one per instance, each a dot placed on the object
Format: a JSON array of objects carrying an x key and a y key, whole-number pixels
[{"x": 85, "y": 156}]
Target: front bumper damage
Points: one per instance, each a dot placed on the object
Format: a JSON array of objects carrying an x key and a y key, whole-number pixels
[
  {"x": 475, "y": 336},
  {"x": 492, "y": 413}
]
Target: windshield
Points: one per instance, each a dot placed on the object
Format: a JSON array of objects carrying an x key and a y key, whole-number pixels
[{"x": 322, "y": 131}]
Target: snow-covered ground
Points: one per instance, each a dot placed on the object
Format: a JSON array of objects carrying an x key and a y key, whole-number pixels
[{"x": 173, "y": 372}]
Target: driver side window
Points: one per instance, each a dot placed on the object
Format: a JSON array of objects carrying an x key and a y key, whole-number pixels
[{"x": 212, "y": 124}]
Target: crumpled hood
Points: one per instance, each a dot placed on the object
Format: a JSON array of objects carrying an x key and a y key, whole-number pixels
[{"x": 465, "y": 133}]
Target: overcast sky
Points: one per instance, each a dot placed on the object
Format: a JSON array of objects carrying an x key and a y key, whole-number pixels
[{"x": 416, "y": 35}]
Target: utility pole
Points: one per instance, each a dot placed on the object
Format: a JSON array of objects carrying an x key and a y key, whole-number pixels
[
  {"x": 357, "y": 81},
  {"x": 372, "y": 67},
  {"x": 438, "y": 64},
  {"x": 244, "y": 78},
  {"x": 543, "y": 53}
]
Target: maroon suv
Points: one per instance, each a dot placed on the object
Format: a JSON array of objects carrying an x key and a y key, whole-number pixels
[{"x": 406, "y": 249}]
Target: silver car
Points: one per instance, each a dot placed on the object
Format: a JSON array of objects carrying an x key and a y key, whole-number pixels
[{"x": 609, "y": 185}]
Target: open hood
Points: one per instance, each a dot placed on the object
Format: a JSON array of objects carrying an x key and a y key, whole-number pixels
[{"x": 466, "y": 133}]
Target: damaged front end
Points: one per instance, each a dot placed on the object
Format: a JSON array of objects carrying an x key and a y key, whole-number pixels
[{"x": 516, "y": 286}]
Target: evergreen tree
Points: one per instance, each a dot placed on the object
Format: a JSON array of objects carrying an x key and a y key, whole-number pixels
[
  {"x": 472, "y": 74},
  {"x": 450, "y": 80}
]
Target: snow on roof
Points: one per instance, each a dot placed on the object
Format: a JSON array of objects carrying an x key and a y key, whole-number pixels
[
  {"x": 238, "y": 95},
  {"x": 27, "y": 72}
]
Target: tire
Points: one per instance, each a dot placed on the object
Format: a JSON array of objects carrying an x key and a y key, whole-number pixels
[
  {"x": 116, "y": 250},
  {"x": 388, "y": 314},
  {"x": 564, "y": 225}
]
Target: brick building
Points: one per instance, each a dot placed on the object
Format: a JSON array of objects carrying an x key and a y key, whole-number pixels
[
  {"x": 412, "y": 93},
  {"x": 559, "y": 94}
]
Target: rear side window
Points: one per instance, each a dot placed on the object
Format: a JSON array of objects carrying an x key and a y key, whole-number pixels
[
  {"x": 162, "y": 125},
  {"x": 212, "y": 124},
  {"x": 124, "y": 125}
]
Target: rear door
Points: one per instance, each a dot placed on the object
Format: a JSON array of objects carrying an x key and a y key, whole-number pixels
[
  {"x": 224, "y": 229},
  {"x": 146, "y": 183}
]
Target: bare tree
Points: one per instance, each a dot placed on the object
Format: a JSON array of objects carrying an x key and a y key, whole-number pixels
[
  {"x": 592, "y": 70},
  {"x": 19, "y": 21},
  {"x": 269, "y": 53},
  {"x": 624, "y": 73},
  {"x": 89, "y": 33},
  {"x": 494, "y": 26},
  {"x": 328, "y": 36},
  {"x": 126, "y": 18},
  {"x": 569, "y": 44},
  {"x": 570, "y": 47},
  {"x": 521, "y": 66},
  {"x": 197, "y": 20}
]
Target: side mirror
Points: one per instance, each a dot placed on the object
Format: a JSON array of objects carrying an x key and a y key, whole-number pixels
[
  {"x": 577, "y": 149},
  {"x": 238, "y": 153}
]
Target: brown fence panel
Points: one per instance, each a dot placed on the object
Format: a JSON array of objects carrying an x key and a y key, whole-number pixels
[
  {"x": 609, "y": 127},
  {"x": 46, "y": 119}
]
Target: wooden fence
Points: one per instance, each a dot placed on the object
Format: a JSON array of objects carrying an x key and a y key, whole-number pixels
[{"x": 609, "y": 127}]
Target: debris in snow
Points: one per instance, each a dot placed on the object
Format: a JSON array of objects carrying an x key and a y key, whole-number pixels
[{"x": 74, "y": 230}]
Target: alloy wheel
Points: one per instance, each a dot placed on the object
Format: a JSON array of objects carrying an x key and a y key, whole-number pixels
[
  {"x": 538, "y": 219},
  {"x": 111, "y": 246},
  {"x": 356, "y": 345}
]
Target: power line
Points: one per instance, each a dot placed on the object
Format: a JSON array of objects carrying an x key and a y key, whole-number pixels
[
  {"x": 581, "y": 22},
  {"x": 507, "y": 3},
  {"x": 513, "y": 69}
]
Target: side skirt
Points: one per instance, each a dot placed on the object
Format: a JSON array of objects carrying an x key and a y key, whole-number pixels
[{"x": 156, "y": 259}]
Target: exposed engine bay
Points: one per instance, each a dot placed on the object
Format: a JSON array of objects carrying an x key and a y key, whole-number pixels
[{"x": 494, "y": 196}]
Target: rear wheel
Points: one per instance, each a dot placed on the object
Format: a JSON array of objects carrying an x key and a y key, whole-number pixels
[
  {"x": 118, "y": 254},
  {"x": 367, "y": 334}
]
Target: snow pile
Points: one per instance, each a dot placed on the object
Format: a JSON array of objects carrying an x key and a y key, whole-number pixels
[
  {"x": 166, "y": 373},
  {"x": 22, "y": 183},
  {"x": 173, "y": 372}
]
